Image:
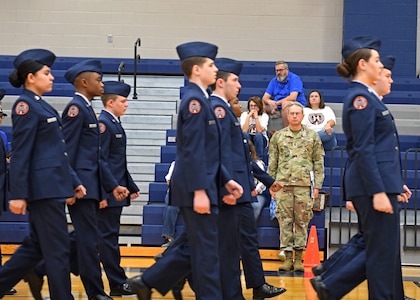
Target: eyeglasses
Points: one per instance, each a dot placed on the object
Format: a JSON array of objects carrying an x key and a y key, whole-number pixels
[
  {"x": 253, "y": 105},
  {"x": 281, "y": 70}
]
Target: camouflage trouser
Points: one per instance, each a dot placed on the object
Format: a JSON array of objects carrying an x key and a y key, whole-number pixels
[{"x": 294, "y": 211}]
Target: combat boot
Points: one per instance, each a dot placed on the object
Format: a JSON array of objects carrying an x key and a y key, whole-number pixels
[
  {"x": 288, "y": 263},
  {"x": 297, "y": 265}
]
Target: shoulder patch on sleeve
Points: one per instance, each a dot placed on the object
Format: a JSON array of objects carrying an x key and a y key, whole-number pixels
[
  {"x": 360, "y": 103},
  {"x": 220, "y": 112},
  {"x": 102, "y": 127},
  {"x": 73, "y": 111},
  {"x": 194, "y": 106},
  {"x": 22, "y": 108}
]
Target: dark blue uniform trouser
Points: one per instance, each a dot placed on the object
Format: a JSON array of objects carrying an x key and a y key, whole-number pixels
[
  {"x": 251, "y": 260},
  {"x": 109, "y": 248},
  {"x": 48, "y": 239},
  {"x": 230, "y": 271},
  {"x": 195, "y": 250},
  {"x": 382, "y": 260},
  {"x": 84, "y": 218}
]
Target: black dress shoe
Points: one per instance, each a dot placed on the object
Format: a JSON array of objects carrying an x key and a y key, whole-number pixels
[
  {"x": 318, "y": 270},
  {"x": 101, "y": 297},
  {"x": 35, "y": 284},
  {"x": 137, "y": 285},
  {"x": 321, "y": 289},
  {"x": 408, "y": 298},
  {"x": 266, "y": 291},
  {"x": 121, "y": 290},
  {"x": 12, "y": 291}
]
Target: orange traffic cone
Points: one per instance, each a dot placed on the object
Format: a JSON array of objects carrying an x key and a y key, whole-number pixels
[{"x": 312, "y": 250}]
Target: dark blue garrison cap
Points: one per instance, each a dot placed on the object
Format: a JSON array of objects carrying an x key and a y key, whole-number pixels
[
  {"x": 42, "y": 56},
  {"x": 200, "y": 49},
  {"x": 116, "y": 88},
  {"x": 388, "y": 62},
  {"x": 229, "y": 65},
  {"x": 90, "y": 65},
  {"x": 369, "y": 42}
]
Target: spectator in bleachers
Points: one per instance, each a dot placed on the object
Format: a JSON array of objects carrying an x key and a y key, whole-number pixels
[
  {"x": 113, "y": 145},
  {"x": 373, "y": 177},
  {"x": 320, "y": 118},
  {"x": 170, "y": 214},
  {"x": 4, "y": 152},
  {"x": 195, "y": 186},
  {"x": 82, "y": 134},
  {"x": 296, "y": 156},
  {"x": 254, "y": 124},
  {"x": 41, "y": 178},
  {"x": 282, "y": 90}
]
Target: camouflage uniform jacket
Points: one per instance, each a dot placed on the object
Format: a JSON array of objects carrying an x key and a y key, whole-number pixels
[{"x": 292, "y": 155}]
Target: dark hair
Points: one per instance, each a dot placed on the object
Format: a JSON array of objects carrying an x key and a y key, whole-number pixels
[
  {"x": 348, "y": 68},
  {"x": 19, "y": 75},
  {"x": 220, "y": 74},
  {"x": 321, "y": 102},
  {"x": 257, "y": 100},
  {"x": 188, "y": 63}
]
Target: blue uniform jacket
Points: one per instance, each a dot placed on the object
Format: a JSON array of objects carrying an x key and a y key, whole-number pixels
[
  {"x": 81, "y": 131},
  {"x": 373, "y": 164},
  {"x": 235, "y": 152},
  {"x": 261, "y": 175},
  {"x": 3, "y": 176},
  {"x": 197, "y": 164},
  {"x": 114, "y": 145},
  {"x": 39, "y": 165}
]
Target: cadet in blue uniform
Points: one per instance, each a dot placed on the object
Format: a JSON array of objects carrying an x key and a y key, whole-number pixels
[
  {"x": 195, "y": 185},
  {"x": 113, "y": 145},
  {"x": 345, "y": 269},
  {"x": 81, "y": 131},
  {"x": 373, "y": 179},
  {"x": 39, "y": 154},
  {"x": 4, "y": 152},
  {"x": 242, "y": 239}
]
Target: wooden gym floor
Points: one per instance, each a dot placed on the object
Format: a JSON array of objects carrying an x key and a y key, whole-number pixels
[{"x": 137, "y": 259}]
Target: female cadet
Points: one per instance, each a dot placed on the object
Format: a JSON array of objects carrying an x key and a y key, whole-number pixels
[
  {"x": 40, "y": 177},
  {"x": 372, "y": 177}
]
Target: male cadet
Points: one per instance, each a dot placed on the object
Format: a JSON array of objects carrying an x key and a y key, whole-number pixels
[
  {"x": 82, "y": 136},
  {"x": 195, "y": 185},
  {"x": 4, "y": 153},
  {"x": 113, "y": 145},
  {"x": 242, "y": 239},
  {"x": 345, "y": 269}
]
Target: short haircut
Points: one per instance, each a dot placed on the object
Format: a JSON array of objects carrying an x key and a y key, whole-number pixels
[
  {"x": 188, "y": 63},
  {"x": 106, "y": 97},
  {"x": 294, "y": 103},
  {"x": 282, "y": 62}
]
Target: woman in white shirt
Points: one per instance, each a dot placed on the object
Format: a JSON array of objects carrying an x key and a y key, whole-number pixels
[
  {"x": 254, "y": 124},
  {"x": 320, "y": 118}
]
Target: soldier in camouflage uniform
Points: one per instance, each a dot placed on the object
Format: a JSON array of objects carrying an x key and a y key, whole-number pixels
[{"x": 294, "y": 152}]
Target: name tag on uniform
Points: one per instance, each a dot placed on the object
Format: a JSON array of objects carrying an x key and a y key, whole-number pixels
[
  {"x": 51, "y": 120},
  {"x": 118, "y": 136},
  {"x": 212, "y": 122},
  {"x": 385, "y": 112},
  {"x": 94, "y": 125},
  {"x": 237, "y": 124}
]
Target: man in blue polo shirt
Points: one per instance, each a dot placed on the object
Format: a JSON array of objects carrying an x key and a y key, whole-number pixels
[{"x": 282, "y": 90}]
